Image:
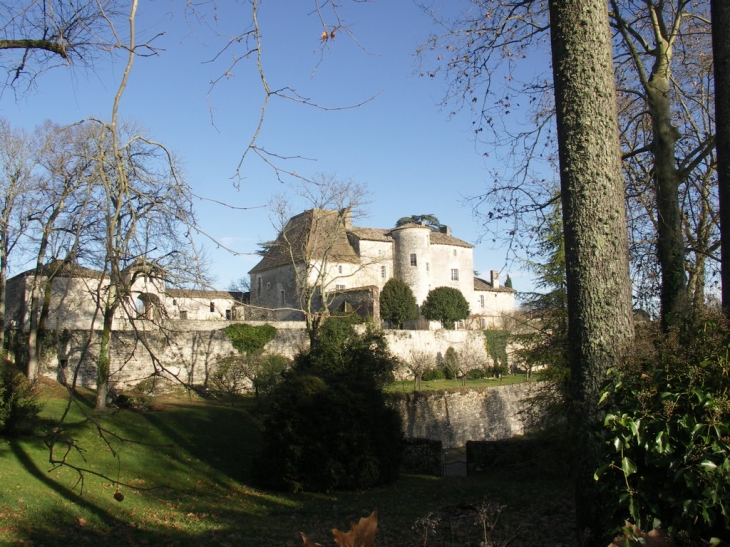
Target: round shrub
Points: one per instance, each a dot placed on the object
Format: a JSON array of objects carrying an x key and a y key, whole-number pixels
[{"x": 445, "y": 304}]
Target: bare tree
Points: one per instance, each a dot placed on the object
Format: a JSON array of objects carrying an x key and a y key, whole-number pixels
[
  {"x": 17, "y": 163},
  {"x": 58, "y": 216},
  {"x": 314, "y": 246},
  {"x": 418, "y": 363},
  {"x": 663, "y": 75},
  {"x": 36, "y": 36},
  {"x": 663, "y": 118}
]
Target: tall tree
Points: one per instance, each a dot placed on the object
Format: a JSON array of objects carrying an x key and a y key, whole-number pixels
[
  {"x": 397, "y": 303},
  {"x": 594, "y": 219},
  {"x": 17, "y": 162},
  {"x": 663, "y": 75},
  {"x": 659, "y": 108},
  {"x": 721, "y": 53}
]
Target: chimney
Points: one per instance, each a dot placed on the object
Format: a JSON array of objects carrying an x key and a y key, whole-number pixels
[
  {"x": 495, "y": 279},
  {"x": 445, "y": 230},
  {"x": 346, "y": 215}
]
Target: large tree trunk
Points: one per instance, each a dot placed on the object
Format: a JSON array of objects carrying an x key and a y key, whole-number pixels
[
  {"x": 670, "y": 240},
  {"x": 721, "y": 51},
  {"x": 594, "y": 218}
]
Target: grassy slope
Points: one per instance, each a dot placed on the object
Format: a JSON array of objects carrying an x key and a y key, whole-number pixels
[{"x": 197, "y": 458}]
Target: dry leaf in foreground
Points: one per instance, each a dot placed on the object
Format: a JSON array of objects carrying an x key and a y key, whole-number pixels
[{"x": 361, "y": 534}]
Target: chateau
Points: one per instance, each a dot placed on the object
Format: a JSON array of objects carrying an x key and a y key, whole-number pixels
[{"x": 352, "y": 264}]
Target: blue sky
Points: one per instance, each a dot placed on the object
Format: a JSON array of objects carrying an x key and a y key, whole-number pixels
[{"x": 413, "y": 157}]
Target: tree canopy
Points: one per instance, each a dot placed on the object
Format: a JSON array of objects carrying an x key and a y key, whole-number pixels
[
  {"x": 427, "y": 220},
  {"x": 397, "y": 302},
  {"x": 445, "y": 304}
]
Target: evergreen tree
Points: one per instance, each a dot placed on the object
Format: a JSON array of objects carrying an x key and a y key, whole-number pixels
[
  {"x": 397, "y": 303},
  {"x": 445, "y": 304},
  {"x": 429, "y": 220},
  {"x": 545, "y": 344}
]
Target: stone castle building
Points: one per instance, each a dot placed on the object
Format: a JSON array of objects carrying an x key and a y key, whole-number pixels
[{"x": 350, "y": 265}]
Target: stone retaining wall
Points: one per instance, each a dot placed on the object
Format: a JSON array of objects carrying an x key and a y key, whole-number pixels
[{"x": 457, "y": 416}]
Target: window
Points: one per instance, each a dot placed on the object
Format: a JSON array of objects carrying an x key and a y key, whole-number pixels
[
  {"x": 428, "y": 267},
  {"x": 383, "y": 272},
  {"x": 414, "y": 261},
  {"x": 259, "y": 285},
  {"x": 268, "y": 286},
  {"x": 281, "y": 297},
  {"x": 228, "y": 315},
  {"x": 183, "y": 314},
  {"x": 339, "y": 268},
  {"x": 212, "y": 307},
  {"x": 454, "y": 274},
  {"x": 340, "y": 287},
  {"x": 481, "y": 300},
  {"x": 174, "y": 302},
  {"x": 454, "y": 252}
]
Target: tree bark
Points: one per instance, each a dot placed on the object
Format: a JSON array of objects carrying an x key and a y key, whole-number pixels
[
  {"x": 720, "y": 10},
  {"x": 594, "y": 220}
]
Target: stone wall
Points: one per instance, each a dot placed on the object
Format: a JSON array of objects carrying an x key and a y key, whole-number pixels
[
  {"x": 457, "y": 416},
  {"x": 189, "y": 350}
]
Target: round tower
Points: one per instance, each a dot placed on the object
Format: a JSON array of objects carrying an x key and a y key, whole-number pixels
[{"x": 412, "y": 258}]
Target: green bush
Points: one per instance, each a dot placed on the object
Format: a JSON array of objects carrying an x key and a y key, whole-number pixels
[
  {"x": 250, "y": 339},
  {"x": 397, "y": 303},
  {"x": 327, "y": 425},
  {"x": 433, "y": 374},
  {"x": 667, "y": 458},
  {"x": 445, "y": 304},
  {"x": 476, "y": 374},
  {"x": 19, "y": 405}
]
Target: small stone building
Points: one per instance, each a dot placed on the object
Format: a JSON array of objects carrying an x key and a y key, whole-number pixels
[{"x": 76, "y": 295}]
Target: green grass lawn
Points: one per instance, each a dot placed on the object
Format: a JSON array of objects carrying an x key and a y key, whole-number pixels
[
  {"x": 186, "y": 469},
  {"x": 437, "y": 385}
]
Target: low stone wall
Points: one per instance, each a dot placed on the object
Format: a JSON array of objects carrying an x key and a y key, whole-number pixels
[{"x": 457, "y": 416}]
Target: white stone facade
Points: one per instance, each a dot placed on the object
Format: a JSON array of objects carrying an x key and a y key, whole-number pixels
[{"x": 364, "y": 259}]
